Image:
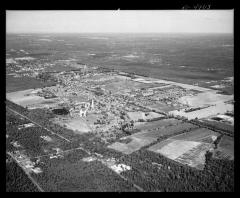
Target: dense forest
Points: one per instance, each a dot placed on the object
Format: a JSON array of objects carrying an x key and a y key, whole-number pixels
[
  {"x": 150, "y": 171},
  {"x": 167, "y": 175},
  {"x": 17, "y": 180}
]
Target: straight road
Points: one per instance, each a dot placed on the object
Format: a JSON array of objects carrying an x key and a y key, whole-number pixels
[
  {"x": 35, "y": 183},
  {"x": 38, "y": 124},
  {"x": 27, "y": 173}
]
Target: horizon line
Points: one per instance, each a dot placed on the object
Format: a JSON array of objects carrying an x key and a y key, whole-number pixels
[{"x": 119, "y": 33}]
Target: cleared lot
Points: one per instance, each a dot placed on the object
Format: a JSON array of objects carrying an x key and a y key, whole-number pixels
[{"x": 78, "y": 125}]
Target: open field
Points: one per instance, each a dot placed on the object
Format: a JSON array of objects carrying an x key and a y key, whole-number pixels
[
  {"x": 165, "y": 130},
  {"x": 158, "y": 123},
  {"x": 199, "y": 134},
  {"x": 186, "y": 86},
  {"x": 215, "y": 103},
  {"x": 135, "y": 116},
  {"x": 205, "y": 98},
  {"x": 134, "y": 145},
  {"x": 120, "y": 85},
  {"x": 187, "y": 148},
  {"x": 78, "y": 125},
  {"x": 224, "y": 118},
  {"x": 28, "y": 98},
  {"x": 161, "y": 107},
  {"x": 191, "y": 153},
  {"x": 219, "y": 108},
  {"x": 173, "y": 149},
  {"x": 195, "y": 157},
  {"x": 150, "y": 134}
]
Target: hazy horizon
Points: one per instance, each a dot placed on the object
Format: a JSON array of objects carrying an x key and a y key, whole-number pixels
[
  {"x": 146, "y": 33},
  {"x": 134, "y": 21}
]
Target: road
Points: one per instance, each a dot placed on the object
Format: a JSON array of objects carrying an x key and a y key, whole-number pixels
[
  {"x": 27, "y": 173},
  {"x": 38, "y": 124},
  {"x": 88, "y": 152}
]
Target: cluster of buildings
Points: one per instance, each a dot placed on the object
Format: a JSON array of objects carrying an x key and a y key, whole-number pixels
[
  {"x": 22, "y": 67},
  {"x": 90, "y": 90},
  {"x": 81, "y": 108},
  {"x": 25, "y": 162}
]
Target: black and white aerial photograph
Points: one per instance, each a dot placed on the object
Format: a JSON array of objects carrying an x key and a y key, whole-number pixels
[{"x": 119, "y": 100}]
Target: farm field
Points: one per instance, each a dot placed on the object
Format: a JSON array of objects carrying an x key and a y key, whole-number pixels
[
  {"x": 124, "y": 84},
  {"x": 195, "y": 157},
  {"x": 191, "y": 153},
  {"x": 199, "y": 134},
  {"x": 205, "y": 98},
  {"x": 187, "y": 148},
  {"x": 134, "y": 145},
  {"x": 161, "y": 107},
  {"x": 225, "y": 149},
  {"x": 29, "y": 98},
  {"x": 147, "y": 136},
  {"x": 158, "y": 123},
  {"x": 219, "y": 108},
  {"x": 174, "y": 149}
]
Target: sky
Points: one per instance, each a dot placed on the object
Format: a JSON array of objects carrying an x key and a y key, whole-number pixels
[{"x": 120, "y": 21}]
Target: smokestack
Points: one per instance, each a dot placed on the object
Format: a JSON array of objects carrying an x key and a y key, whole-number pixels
[{"x": 92, "y": 105}]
